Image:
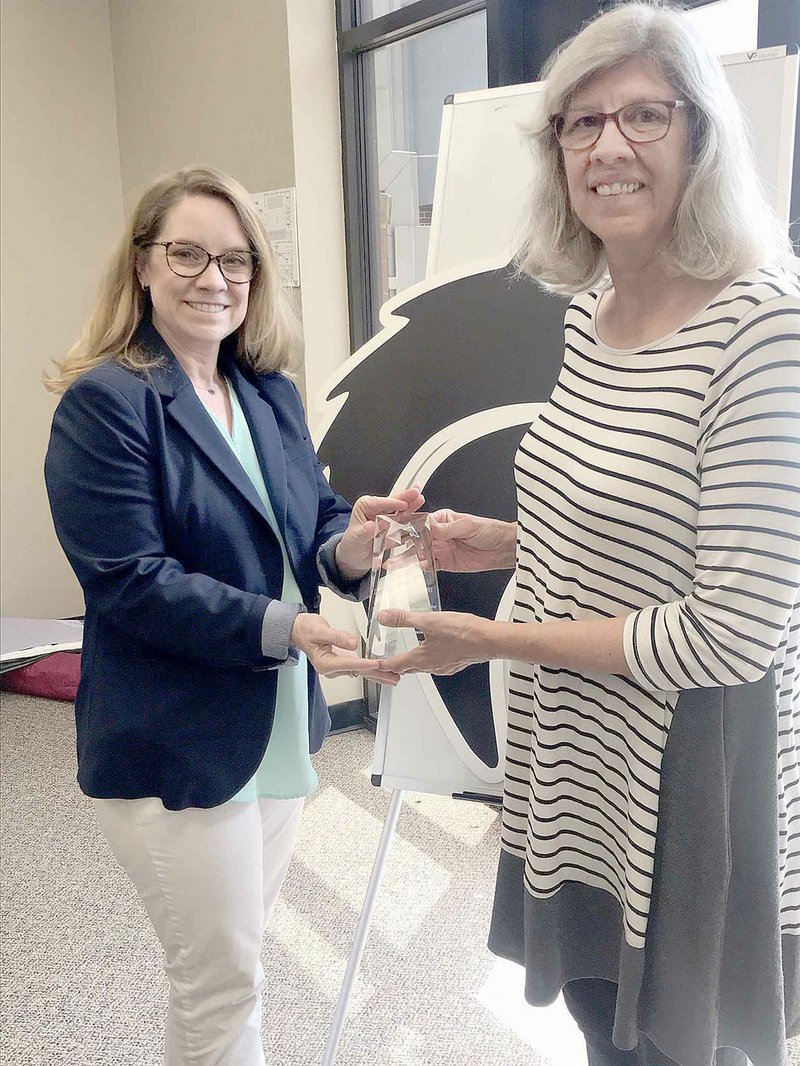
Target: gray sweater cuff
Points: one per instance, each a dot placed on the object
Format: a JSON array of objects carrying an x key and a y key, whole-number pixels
[
  {"x": 276, "y": 629},
  {"x": 332, "y": 578}
]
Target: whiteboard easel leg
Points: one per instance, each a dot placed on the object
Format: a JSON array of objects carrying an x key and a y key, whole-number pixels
[{"x": 362, "y": 929}]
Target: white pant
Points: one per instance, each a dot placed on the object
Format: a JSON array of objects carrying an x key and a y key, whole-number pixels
[{"x": 209, "y": 880}]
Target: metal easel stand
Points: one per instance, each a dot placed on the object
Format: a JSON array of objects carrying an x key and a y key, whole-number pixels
[{"x": 362, "y": 929}]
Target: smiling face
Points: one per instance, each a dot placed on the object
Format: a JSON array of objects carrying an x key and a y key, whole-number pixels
[
  {"x": 195, "y": 314},
  {"x": 627, "y": 193}
]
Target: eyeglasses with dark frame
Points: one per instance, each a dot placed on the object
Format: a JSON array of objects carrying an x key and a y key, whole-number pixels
[
  {"x": 639, "y": 123},
  {"x": 191, "y": 260}
]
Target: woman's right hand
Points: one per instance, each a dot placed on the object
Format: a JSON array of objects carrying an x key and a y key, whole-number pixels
[
  {"x": 330, "y": 651},
  {"x": 467, "y": 543}
]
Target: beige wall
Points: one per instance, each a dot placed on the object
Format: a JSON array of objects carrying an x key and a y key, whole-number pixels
[
  {"x": 96, "y": 101},
  {"x": 212, "y": 81},
  {"x": 314, "y": 73},
  {"x": 202, "y": 81},
  {"x": 101, "y": 96},
  {"x": 61, "y": 212}
]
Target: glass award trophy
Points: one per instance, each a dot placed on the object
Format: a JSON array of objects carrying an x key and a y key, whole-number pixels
[{"x": 403, "y": 576}]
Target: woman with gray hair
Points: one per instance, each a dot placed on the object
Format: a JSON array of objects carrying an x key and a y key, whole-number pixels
[{"x": 650, "y": 862}]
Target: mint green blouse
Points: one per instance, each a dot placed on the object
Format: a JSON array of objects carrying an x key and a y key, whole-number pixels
[{"x": 285, "y": 772}]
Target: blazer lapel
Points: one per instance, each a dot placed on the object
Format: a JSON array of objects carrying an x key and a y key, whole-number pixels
[
  {"x": 266, "y": 440},
  {"x": 182, "y": 404}
]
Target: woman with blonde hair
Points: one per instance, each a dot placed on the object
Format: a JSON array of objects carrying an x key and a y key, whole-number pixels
[
  {"x": 650, "y": 862},
  {"x": 187, "y": 496}
]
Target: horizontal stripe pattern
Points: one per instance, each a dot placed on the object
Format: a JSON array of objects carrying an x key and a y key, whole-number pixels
[{"x": 661, "y": 484}]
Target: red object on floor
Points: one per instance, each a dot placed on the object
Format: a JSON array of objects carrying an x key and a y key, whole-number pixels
[{"x": 55, "y": 677}]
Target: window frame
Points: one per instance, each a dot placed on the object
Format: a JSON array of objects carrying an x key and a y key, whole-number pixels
[{"x": 361, "y": 206}]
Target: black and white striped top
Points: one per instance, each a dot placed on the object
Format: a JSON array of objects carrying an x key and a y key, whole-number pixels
[{"x": 663, "y": 484}]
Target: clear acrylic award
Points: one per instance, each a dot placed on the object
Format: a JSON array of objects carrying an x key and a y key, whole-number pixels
[{"x": 403, "y": 577}]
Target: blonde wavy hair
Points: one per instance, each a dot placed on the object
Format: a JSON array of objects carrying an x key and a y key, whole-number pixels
[
  {"x": 269, "y": 337},
  {"x": 724, "y": 224}
]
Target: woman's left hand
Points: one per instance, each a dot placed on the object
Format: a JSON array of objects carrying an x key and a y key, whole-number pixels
[
  {"x": 354, "y": 550},
  {"x": 451, "y": 641},
  {"x": 332, "y": 652}
]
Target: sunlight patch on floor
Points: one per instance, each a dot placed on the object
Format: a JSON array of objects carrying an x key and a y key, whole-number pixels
[
  {"x": 550, "y": 1031},
  {"x": 315, "y": 956},
  {"x": 338, "y": 842}
]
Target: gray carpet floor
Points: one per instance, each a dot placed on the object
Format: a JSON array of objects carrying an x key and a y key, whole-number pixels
[{"x": 82, "y": 981}]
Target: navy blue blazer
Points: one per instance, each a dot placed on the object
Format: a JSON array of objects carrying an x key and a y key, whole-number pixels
[{"x": 178, "y": 562}]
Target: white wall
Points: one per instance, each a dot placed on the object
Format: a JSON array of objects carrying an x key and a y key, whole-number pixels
[{"x": 314, "y": 74}]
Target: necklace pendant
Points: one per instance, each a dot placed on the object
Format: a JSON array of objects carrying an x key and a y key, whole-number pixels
[{"x": 213, "y": 392}]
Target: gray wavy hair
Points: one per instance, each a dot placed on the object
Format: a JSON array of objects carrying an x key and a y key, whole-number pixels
[{"x": 724, "y": 224}]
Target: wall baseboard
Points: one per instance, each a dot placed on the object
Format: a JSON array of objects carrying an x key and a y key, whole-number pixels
[{"x": 347, "y": 715}]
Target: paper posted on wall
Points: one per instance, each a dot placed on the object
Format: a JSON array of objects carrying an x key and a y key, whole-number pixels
[{"x": 278, "y": 212}]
